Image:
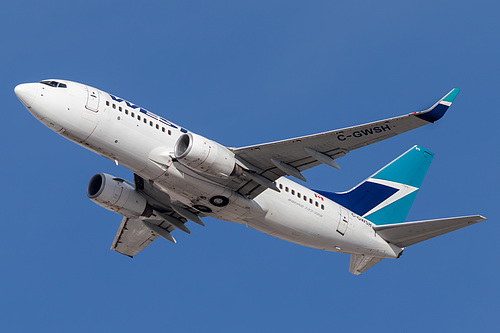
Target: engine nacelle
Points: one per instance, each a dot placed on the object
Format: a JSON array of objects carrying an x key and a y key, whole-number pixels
[
  {"x": 117, "y": 195},
  {"x": 207, "y": 156}
]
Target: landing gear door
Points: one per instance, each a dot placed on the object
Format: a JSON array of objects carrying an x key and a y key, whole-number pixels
[
  {"x": 343, "y": 221},
  {"x": 92, "y": 99}
]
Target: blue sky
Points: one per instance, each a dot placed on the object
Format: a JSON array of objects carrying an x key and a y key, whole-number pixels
[{"x": 243, "y": 73}]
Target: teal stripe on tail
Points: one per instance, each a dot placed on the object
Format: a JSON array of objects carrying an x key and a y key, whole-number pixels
[
  {"x": 386, "y": 197},
  {"x": 405, "y": 174}
]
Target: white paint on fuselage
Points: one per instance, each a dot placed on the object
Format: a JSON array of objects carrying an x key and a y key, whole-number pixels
[
  {"x": 145, "y": 149},
  {"x": 300, "y": 221}
]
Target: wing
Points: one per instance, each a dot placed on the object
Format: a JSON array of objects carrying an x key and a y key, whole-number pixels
[
  {"x": 267, "y": 162},
  {"x": 135, "y": 234},
  {"x": 409, "y": 233},
  {"x": 132, "y": 237}
]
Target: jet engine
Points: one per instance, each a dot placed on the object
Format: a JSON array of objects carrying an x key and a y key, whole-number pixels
[
  {"x": 117, "y": 195},
  {"x": 206, "y": 156}
]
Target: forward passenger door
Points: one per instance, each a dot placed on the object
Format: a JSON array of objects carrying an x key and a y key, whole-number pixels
[{"x": 92, "y": 99}]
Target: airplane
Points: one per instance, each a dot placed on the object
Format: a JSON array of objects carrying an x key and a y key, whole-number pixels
[{"x": 181, "y": 176}]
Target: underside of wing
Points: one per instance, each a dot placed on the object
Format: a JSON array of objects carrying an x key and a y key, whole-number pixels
[
  {"x": 135, "y": 234},
  {"x": 267, "y": 162},
  {"x": 132, "y": 237},
  {"x": 409, "y": 233}
]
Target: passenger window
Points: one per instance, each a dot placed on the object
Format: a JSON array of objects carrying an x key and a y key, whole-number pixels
[
  {"x": 281, "y": 186},
  {"x": 286, "y": 189},
  {"x": 132, "y": 114},
  {"x": 163, "y": 129},
  {"x": 169, "y": 132},
  {"x": 114, "y": 106},
  {"x": 120, "y": 109},
  {"x": 138, "y": 117},
  {"x": 126, "y": 111},
  {"x": 293, "y": 192},
  {"x": 107, "y": 103},
  {"x": 316, "y": 203},
  {"x": 157, "y": 127},
  {"x": 305, "y": 198},
  {"x": 298, "y": 194},
  {"x": 323, "y": 207},
  {"x": 310, "y": 201},
  {"x": 150, "y": 123}
]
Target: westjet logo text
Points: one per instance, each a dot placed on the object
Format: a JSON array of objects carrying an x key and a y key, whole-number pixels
[
  {"x": 365, "y": 132},
  {"x": 149, "y": 114}
]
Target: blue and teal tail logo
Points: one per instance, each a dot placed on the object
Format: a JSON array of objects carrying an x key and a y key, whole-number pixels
[{"x": 386, "y": 197}]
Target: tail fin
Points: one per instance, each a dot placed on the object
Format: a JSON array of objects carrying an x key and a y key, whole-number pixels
[{"x": 386, "y": 196}]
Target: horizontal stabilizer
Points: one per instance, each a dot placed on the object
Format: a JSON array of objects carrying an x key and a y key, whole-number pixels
[
  {"x": 409, "y": 233},
  {"x": 360, "y": 263}
]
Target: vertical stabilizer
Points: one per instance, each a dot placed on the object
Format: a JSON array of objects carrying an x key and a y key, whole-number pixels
[{"x": 386, "y": 197}]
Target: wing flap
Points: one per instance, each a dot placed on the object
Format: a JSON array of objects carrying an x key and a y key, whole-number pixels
[
  {"x": 409, "y": 233},
  {"x": 135, "y": 234},
  {"x": 132, "y": 237}
]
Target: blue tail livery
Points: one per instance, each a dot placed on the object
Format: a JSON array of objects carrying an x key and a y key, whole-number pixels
[{"x": 386, "y": 196}]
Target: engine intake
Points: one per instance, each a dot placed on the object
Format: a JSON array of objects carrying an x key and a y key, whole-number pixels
[
  {"x": 206, "y": 156},
  {"x": 117, "y": 195}
]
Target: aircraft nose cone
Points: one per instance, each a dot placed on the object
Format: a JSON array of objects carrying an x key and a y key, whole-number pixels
[{"x": 26, "y": 93}]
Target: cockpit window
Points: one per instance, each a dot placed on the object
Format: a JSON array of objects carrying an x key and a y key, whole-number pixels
[{"x": 54, "y": 84}]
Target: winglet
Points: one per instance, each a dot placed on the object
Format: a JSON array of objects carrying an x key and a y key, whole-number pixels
[
  {"x": 439, "y": 109},
  {"x": 451, "y": 95}
]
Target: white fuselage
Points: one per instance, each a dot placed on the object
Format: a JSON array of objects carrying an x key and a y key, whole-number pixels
[{"x": 143, "y": 142}]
